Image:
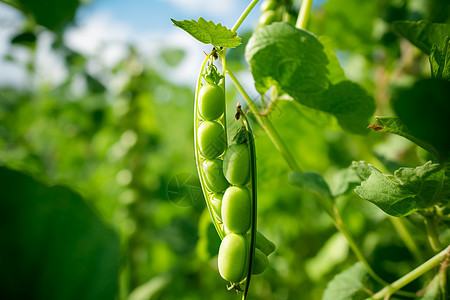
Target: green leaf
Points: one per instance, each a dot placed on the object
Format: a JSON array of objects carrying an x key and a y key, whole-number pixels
[
  {"x": 291, "y": 58},
  {"x": 396, "y": 126},
  {"x": 440, "y": 60},
  {"x": 53, "y": 244},
  {"x": 408, "y": 190},
  {"x": 344, "y": 181},
  {"x": 423, "y": 34},
  {"x": 425, "y": 111},
  {"x": 53, "y": 14},
  {"x": 433, "y": 290},
  {"x": 294, "y": 60},
  {"x": 348, "y": 284},
  {"x": 310, "y": 181},
  {"x": 336, "y": 73},
  {"x": 209, "y": 33},
  {"x": 349, "y": 103}
]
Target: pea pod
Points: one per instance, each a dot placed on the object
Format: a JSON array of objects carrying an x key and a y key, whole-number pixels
[{"x": 228, "y": 178}]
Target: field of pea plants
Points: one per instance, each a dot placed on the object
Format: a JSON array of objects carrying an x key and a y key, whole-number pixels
[{"x": 309, "y": 160}]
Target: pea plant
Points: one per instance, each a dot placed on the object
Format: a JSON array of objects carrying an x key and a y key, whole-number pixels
[{"x": 290, "y": 63}]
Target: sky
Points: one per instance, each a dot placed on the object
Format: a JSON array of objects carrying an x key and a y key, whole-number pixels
[{"x": 104, "y": 28}]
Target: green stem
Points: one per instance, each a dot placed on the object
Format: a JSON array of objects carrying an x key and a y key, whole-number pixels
[
  {"x": 414, "y": 274},
  {"x": 406, "y": 237},
  {"x": 343, "y": 229},
  {"x": 303, "y": 14},
  {"x": 244, "y": 15},
  {"x": 432, "y": 226},
  {"x": 267, "y": 125}
]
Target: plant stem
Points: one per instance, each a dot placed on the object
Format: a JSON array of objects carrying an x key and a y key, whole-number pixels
[
  {"x": 303, "y": 14},
  {"x": 340, "y": 225},
  {"x": 432, "y": 226},
  {"x": 244, "y": 15},
  {"x": 404, "y": 234},
  {"x": 267, "y": 125},
  {"x": 414, "y": 274}
]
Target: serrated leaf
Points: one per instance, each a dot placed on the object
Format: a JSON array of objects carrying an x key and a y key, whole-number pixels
[
  {"x": 346, "y": 285},
  {"x": 396, "y": 126},
  {"x": 425, "y": 111},
  {"x": 440, "y": 60},
  {"x": 408, "y": 190},
  {"x": 310, "y": 181},
  {"x": 423, "y": 34},
  {"x": 294, "y": 60},
  {"x": 209, "y": 33}
]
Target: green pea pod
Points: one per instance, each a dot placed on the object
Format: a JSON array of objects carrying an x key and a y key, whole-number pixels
[{"x": 237, "y": 250}]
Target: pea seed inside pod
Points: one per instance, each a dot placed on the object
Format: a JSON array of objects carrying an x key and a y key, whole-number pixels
[
  {"x": 214, "y": 179},
  {"x": 236, "y": 164},
  {"x": 216, "y": 201},
  {"x": 211, "y": 139},
  {"x": 236, "y": 209},
  {"x": 232, "y": 259},
  {"x": 211, "y": 101}
]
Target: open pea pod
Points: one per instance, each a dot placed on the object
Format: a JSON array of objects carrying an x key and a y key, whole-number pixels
[{"x": 228, "y": 179}]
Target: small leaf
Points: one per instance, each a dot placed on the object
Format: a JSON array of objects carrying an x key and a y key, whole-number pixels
[
  {"x": 396, "y": 126},
  {"x": 423, "y": 34},
  {"x": 24, "y": 38},
  {"x": 408, "y": 190},
  {"x": 310, "y": 181},
  {"x": 440, "y": 60},
  {"x": 425, "y": 111},
  {"x": 209, "y": 33},
  {"x": 348, "y": 284}
]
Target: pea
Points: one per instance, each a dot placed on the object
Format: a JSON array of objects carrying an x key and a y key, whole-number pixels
[
  {"x": 216, "y": 201},
  {"x": 215, "y": 181},
  {"x": 211, "y": 101},
  {"x": 236, "y": 164},
  {"x": 260, "y": 262},
  {"x": 236, "y": 209},
  {"x": 233, "y": 260},
  {"x": 211, "y": 139}
]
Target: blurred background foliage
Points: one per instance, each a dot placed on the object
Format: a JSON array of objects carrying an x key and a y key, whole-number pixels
[{"x": 122, "y": 136}]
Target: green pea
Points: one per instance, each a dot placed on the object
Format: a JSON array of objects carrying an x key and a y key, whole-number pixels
[
  {"x": 236, "y": 164},
  {"x": 236, "y": 209},
  {"x": 211, "y": 139},
  {"x": 215, "y": 181},
  {"x": 211, "y": 101},
  {"x": 216, "y": 201},
  {"x": 232, "y": 259},
  {"x": 260, "y": 262}
]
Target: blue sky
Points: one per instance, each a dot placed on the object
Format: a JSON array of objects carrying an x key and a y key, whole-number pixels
[{"x": 146, "y": 16}]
